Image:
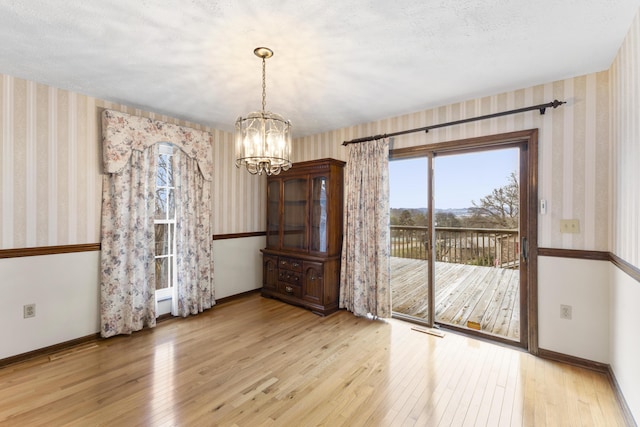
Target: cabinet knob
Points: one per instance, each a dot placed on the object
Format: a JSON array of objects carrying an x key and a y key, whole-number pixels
[
  {"x": 288, "y": 289},
  {"x": 295, "y": 264}
]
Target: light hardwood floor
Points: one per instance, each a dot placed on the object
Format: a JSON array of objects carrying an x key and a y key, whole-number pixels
[{"x": 260, "y": 362}]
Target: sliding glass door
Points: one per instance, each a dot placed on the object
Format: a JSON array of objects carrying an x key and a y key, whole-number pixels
[
  {"x": 409, "y": 197},
  {"x": 476, "y": 220},
  {"x": 458, "y": 226}
]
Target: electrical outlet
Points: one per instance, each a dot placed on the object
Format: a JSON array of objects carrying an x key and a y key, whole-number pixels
[
  {"x": 569, "y": 226},
  {"x": 29, "y": 310},
  {"x": 565, "y": 311}
]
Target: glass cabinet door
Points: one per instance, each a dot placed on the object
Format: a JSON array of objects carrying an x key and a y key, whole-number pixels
[
  {"x": 295, "y": 213},
  {"x": 273, "y": 213},
  {"x": 319, "y": 214}
]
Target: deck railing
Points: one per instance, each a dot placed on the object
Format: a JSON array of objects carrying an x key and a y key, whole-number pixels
[{"x": 476, "y": 246}]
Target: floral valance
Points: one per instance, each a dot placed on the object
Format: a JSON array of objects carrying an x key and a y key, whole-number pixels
[{"x": 123, "y": 132}]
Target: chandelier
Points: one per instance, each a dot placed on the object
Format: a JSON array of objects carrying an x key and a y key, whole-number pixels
[{"x": 263, "y": 138}]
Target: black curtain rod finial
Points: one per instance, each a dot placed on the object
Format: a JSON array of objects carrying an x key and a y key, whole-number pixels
[{"x": 554, "y": 104}]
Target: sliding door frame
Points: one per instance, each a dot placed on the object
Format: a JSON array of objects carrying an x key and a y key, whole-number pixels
[{"x": 527, "y": 141}]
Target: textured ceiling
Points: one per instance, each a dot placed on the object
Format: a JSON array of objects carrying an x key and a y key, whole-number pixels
[{"x": 336, "y": 63}]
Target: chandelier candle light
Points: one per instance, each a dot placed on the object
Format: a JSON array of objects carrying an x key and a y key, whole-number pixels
[{"x": 263, "y": 138}]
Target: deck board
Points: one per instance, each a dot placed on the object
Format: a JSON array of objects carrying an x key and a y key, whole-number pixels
[{"x": 487, "y": 296}]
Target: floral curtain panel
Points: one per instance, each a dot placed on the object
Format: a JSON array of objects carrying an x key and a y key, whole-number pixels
[
  {"x": 127, "y": 242},
  {"x": 127, "y": 282},
  {"x": 365, "y": 271},
  {"x": 194, "y": 291}
]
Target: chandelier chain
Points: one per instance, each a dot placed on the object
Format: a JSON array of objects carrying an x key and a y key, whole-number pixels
[{"x": 264, "y": 85}]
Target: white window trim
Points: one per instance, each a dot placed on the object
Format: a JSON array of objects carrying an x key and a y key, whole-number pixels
[{"x": 167, "y": 293}]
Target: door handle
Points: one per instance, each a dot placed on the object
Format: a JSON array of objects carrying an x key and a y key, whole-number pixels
[{"x": 525, "y": 249}]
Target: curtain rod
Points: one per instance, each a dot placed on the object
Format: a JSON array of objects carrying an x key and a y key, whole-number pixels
[{"x": 542, "y": 108}]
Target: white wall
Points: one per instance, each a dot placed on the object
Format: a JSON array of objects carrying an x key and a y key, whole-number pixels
[
  {"x": 583, "y": 285},
  {"x": 66, "y": 291},
  {"x": 64, "y": 288},
  {"x": 237, "y": 265},
  {"x": 625, "y": 341}
]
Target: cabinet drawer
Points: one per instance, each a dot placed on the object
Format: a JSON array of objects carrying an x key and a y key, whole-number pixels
[
  {"x": 290, "y": 277},
  {"x": 290, "y": 264},
  {"x": 290, "y": 289}
]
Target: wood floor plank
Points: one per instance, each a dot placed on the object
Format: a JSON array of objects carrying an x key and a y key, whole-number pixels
[{"x": 260, "y": 362}]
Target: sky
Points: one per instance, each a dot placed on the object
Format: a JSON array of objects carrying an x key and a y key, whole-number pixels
[{"x": 459, "y": 178}]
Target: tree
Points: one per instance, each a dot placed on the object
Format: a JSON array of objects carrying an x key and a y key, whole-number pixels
[
  {"x": 406, "y": 218},
  {"x": 500, "y": 209},
  {"x": 420, "y": 219},
  {"x": 446, "y": 219}
]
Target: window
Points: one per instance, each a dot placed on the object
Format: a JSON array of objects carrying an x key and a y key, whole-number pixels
[{"x": 165, "y": 224}]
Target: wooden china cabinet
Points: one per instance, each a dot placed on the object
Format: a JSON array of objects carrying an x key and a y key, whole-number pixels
[{"x": 301, "y": 263}]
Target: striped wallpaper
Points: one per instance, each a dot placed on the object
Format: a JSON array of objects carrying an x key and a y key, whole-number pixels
[
  {"x": 50, "y": 171},
  {"x": 625, "y": 112},
  {"x": 50, "y": 176},
  {"x": 573, "y": 143}
]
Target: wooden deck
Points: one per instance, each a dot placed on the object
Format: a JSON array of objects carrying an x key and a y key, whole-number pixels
[{"x": 485, "y": 298}]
